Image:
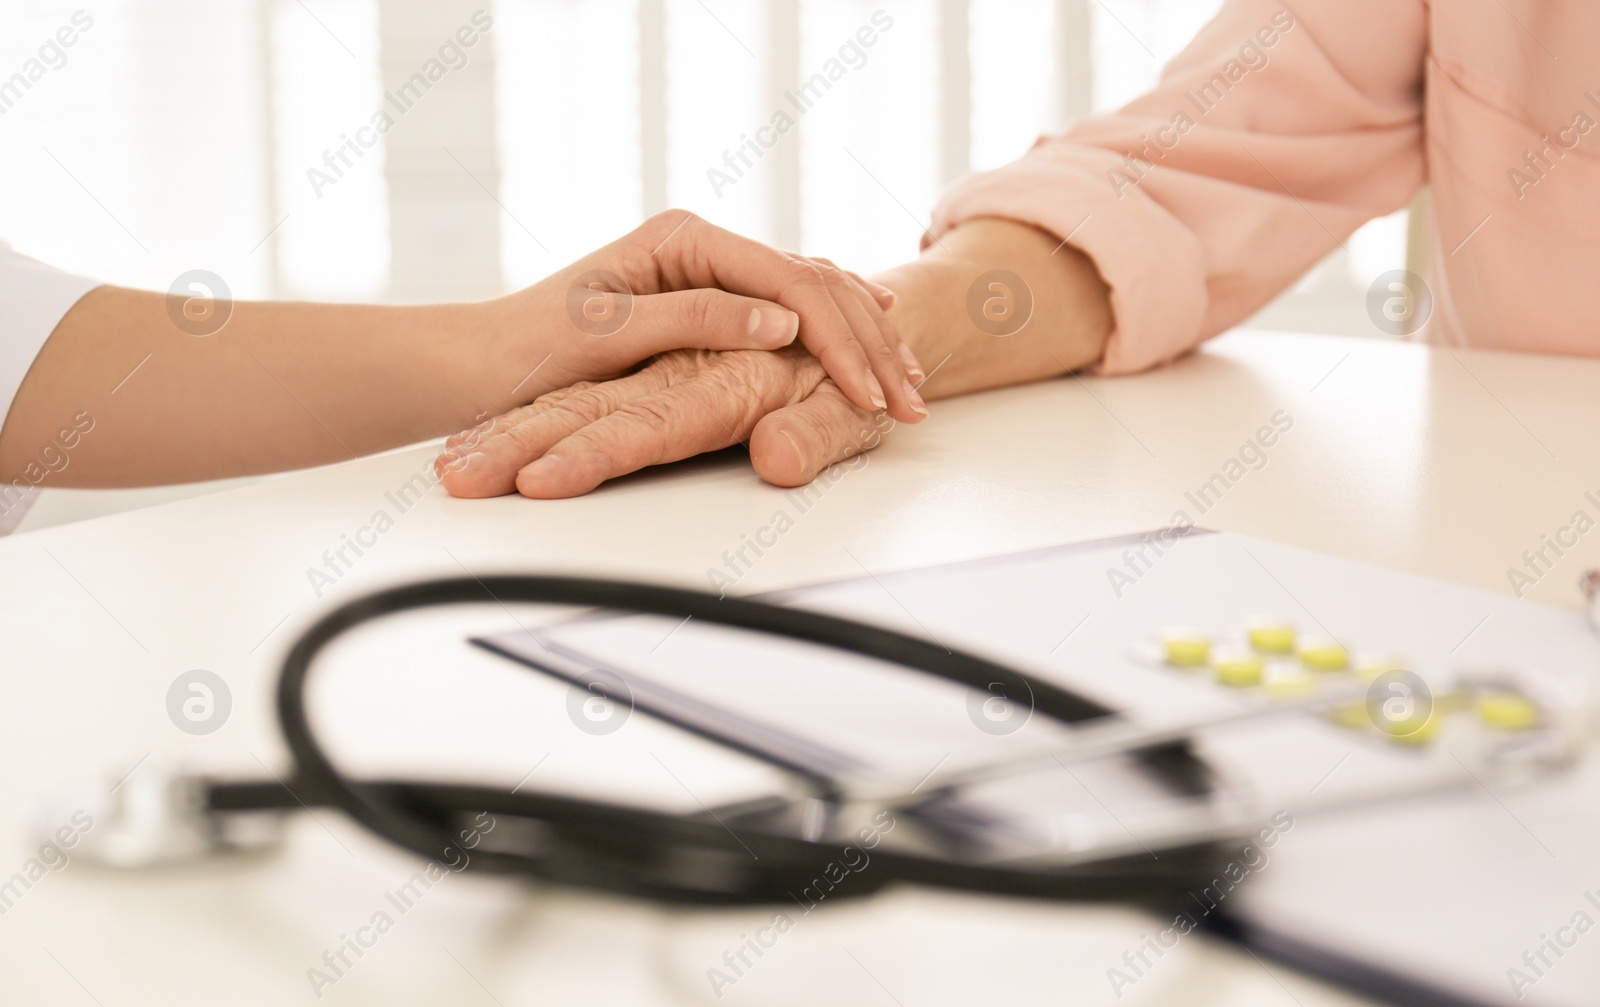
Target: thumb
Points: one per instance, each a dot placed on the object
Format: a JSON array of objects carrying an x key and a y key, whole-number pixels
[
  {"x": 704, "y": 318},
  {"x": 790, "y": 446}
]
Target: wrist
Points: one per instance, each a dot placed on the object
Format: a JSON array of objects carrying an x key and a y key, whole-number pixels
[
  {"x": 508, "y": 361},
  {"x": 922, "y": 315},
  {"x": 996, "y": 302}
]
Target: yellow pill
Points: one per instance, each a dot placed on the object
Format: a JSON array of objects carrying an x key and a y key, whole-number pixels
[
  {"x": 1408, "y": 733},
  {"x": 1369, "y": 668},
  {"x": 1238, "y": 669},
  {"x": 1272, "y": 637},
  {"x": 1184, "y": 647},
  {"x": 1507, "y": 711},
  {"x": 1325, "y": 655},
  {"x": 1354, "y": 715},
  {"x": 1291, "y": 683}
]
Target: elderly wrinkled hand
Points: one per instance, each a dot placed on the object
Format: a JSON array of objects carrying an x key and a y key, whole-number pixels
[{"x": 795, "y": 419}]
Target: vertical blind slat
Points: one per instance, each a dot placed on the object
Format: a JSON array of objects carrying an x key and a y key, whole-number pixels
[
  {"x": 268, "y": 250},
  {"x": 783, "y": 70},
  {"x": 1074, "y": 65},
  {"x": 653, "y": 104},
  {"x": 955, "y": 90}
]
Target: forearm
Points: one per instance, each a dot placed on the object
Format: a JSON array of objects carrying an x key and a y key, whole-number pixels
[
  {"x": 281, "y": 385},
  {"x": 939, "y": 316}
]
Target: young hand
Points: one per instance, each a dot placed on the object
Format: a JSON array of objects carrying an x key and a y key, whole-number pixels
[{"x": 678, "y": 281}]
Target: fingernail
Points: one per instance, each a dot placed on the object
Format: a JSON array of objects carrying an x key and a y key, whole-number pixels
[
  {"x": 799, "y": 455},
  {"x": 917, "y": 405},
  {"x": 887, "y": 296},
  {"x": 913, "y": 367},
  {"x": 771, "y": 325},
  {"x": 453, "y": 462},
  {"x": 545, "y": 467},
  {"x": 470, "y": 434},
  {"x": 875, "y": 392}
]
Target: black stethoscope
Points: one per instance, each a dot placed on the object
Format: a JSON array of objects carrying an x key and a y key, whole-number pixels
[
  {"x": 764, "y": 853},
  {"x": 761, "y": 856}
]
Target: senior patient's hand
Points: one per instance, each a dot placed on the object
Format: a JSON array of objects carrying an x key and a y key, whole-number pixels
[
  {"x": 566, "y": 443},
  {"x": 678, "y": 281}
]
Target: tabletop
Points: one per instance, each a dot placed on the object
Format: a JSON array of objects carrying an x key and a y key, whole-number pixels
[{"x": 1474, "y": 467}]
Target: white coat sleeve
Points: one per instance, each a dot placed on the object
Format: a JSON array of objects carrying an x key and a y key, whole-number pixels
[{"x": 33, "y": 299}]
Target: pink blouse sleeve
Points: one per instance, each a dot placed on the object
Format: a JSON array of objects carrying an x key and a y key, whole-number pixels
[{"x": 1283, "y": 127}]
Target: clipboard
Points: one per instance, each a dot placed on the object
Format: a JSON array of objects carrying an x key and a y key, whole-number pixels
[{"x": 1446, "y": 900}]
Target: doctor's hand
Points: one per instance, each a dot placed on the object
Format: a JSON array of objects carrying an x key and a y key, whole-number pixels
[
  {"x": 678, "y": 281},
  {"x": 243, "y": 387},
  {"x": 796, "y": 420}
]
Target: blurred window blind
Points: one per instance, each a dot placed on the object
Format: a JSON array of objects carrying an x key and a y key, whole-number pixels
[
  {"x": 328, "y": 203},
  {"x": 139, "y": 152},
  {"x": 177, "y": 134},
  {"x": 568, "y": 111},
  {"x": 752, "y": 139}
]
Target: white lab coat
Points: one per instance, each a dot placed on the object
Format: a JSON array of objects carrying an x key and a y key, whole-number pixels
[{"x": 33, "y": 297}]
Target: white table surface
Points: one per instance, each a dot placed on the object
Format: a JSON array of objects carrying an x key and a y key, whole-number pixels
[{"x": 1444, "y": 463}]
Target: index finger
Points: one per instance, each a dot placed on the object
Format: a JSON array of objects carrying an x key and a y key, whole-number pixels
[{"x": 714, "y": 409}]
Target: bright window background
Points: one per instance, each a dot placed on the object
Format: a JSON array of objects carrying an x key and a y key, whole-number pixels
[
  {"x": 331, "y": 240},
  {"x": 568, "y": 123},
  {"x": 125, "y": 162},
  {"x": 716, "y": 96},
  {"x": 178, "y": 134},
  {"x": 868, "y": 145},
  {"x": 1013, "y": 77}
]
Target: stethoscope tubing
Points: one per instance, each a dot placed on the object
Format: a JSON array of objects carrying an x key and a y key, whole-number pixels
[
  {"x": 592, "y": 834},
  {"x": 595, "y": 844}
]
